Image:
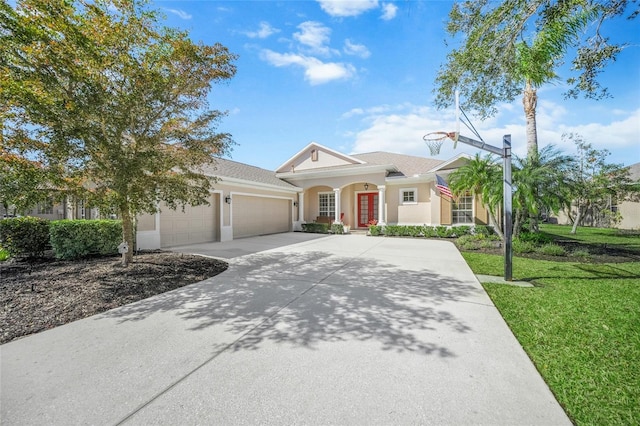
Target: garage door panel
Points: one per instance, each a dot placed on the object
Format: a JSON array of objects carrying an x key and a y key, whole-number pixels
[
  {"x": 196, "y": 224},
  {"x": 260, "y": 215}
]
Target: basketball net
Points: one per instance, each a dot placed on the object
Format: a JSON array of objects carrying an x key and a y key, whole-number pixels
[{"x": 434, "y": 140}]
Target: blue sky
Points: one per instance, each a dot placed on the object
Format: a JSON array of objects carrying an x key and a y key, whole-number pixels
[{"x": 358, "y": 76}]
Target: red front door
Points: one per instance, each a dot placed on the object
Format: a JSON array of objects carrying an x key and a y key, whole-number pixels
[{"x": 367, "y": 208}]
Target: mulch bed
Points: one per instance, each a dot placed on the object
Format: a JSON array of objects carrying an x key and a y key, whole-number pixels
[{"x": 36, "y": 296}]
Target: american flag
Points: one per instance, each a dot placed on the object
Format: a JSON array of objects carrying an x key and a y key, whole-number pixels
[{"x": 442, "y": 186}]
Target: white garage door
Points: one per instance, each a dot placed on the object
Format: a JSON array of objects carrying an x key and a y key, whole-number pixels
[
  {"x": 199, "y": 224},
  {"x": 259, "y": 216}
]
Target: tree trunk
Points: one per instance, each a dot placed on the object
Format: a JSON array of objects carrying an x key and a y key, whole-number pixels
[
  {"x": 494, "y": 222},
  {"x": 529, "y": 102},
  {"x": 127, "y": 231},
  {"x": 578, "y": 219}
]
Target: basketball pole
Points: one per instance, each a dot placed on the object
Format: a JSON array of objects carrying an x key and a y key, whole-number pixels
[{"x": 505, "y": 153}]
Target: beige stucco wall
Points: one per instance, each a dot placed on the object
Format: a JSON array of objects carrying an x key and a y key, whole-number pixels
[
  {"x": 325, "y": 159},
  {"x": 630, "y": 212},
  {"x": 146, "y": 222}
]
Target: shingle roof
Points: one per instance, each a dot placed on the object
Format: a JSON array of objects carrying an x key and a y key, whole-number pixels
[
  {"x": 408, "y": 165},
  {"x": 232, "y": 169},
  {"x": 634, "y": 171}
]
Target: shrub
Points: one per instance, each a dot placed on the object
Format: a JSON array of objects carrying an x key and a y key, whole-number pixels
[
  {"x": 459, "y": 231},
  {"x": 442, "y": 231},
  {"x": 535, "y": 238},
  {"x": 483, "y": 230},
  {"x": 24, "y": 236},
  {"x": 337, "y": 228},
  {"x": 520, "y": 246},
  {"x": 429, "y": 231},
  {"x": 393, "y": 230},
  {"x": 73, "y": 239},
  {"x": 552, "y": 250},
  {"x": 4, "y": 255},
  {"x": 414, "y": 231},
  {"x": 476, "y": 242},
  {"x": 375, "y": 230},
  {"x": 583, "y": 253},
  {"x": 317, "y": 228}
]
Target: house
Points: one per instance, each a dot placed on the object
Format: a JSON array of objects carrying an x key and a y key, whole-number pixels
[
  {"x": 315, "y": 184},
  {"x": 630, "y": 209}
]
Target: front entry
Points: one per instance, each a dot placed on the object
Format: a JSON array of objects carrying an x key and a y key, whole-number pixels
[{"x": 367, "y": 208}]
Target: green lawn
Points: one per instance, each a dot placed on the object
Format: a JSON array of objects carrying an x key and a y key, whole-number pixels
[{"x": 580, "y": 325}]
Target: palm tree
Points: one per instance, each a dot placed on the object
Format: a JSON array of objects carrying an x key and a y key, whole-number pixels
[
  {"x": 540, "y": 182},
  {"x": 482, "y": 176}
]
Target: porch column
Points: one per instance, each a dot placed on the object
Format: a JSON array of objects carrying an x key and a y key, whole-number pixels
[
  {"x": 381, "y": 205},
  {"x": 336, "y": 192},
  {"x": 301, "y": 207}
]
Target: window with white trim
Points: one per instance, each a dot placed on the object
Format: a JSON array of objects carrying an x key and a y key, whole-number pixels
[
  {"x": 409, "y": 196},
  {"x": 462, "y": 209},
  {"x": 327, "y": 204}
]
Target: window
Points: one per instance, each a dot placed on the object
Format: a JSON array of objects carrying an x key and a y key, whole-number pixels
[
  {"x": 462, "y": 209},
  {"x": 327, "y": 204},
  {"x": 314, "y": 155},
  {"x": 409, "y": 196},
  {"x": 45, "y": 207}
]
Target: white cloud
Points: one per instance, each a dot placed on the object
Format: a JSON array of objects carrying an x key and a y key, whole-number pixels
[
  {"x": 400, "y": 128},
  {"x": 356, "y": 49},
  {"x": 181, "y": 13},
  {"x": 314, "y": 36},
  {"x": 343, "y": 8},
  {"x": 389, "y": 11},
  {"x": 315, "y": 71},
  {"x": 264, "y": 31}
]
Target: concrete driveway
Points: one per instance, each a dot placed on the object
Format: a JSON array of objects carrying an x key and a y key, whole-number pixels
[{"x": 333, "y": 330}]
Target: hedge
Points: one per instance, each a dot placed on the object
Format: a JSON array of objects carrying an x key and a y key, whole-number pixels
[
  {"x": 24, "y": 236},
  {"x": 318, "y": 228},
  {"x": 73, "y": 239},
  {"x": 420, "y": 231}
]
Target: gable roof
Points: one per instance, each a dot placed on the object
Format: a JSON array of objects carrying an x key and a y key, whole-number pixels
[
  {"x": 407, "y": 165},
  {"x": 229, "y": 170},
  {"x": 302, "y": 155}
]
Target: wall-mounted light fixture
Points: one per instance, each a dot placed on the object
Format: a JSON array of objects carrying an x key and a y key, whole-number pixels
[
  {"x": 295, "y": 204},
  {"x": 366, "y": 186},
  {"x": 227, "y": 199}
]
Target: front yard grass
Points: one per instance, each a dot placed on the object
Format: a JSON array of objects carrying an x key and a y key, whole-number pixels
[{"x": 580, "y": 325}]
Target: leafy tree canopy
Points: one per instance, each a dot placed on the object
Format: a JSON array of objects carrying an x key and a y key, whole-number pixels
[
  {"x": 111, "y": 103},
  {"x": 507, "y": 44}
]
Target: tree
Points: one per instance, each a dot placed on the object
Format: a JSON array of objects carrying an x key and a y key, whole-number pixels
[
  {"x": 540, "y": 185},
  {"x": 481, "y": 176},
  {"x": 594, "y": 182},
  {"x": 513, "y": 47},
  {"x": 111, "y": 102}
]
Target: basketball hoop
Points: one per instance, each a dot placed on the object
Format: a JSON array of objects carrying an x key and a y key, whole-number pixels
[{"x": 434, "y": 140}]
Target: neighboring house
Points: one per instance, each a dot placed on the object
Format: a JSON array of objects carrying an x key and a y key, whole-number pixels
[
  {"x": 630, "y": 210},
  {"x": 316, "y": 184}
]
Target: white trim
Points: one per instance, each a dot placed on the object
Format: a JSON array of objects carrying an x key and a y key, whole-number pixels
[
  {"x": 331, "y": 195},
  {"x": 257, "y": 185},
  {"x": 450, "y": 161},
  {"x": 473, "y": 211},
  {"x": 287, "y": 163},
  {"x": 336, "y": 171},
  {"x": 401, "y": 201}
]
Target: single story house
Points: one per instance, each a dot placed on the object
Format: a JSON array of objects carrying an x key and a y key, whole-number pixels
[{"x": 315, "y": 184}]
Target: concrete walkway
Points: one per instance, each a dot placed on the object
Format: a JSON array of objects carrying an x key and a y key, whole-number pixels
[{"x": 335, "y": 330}]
